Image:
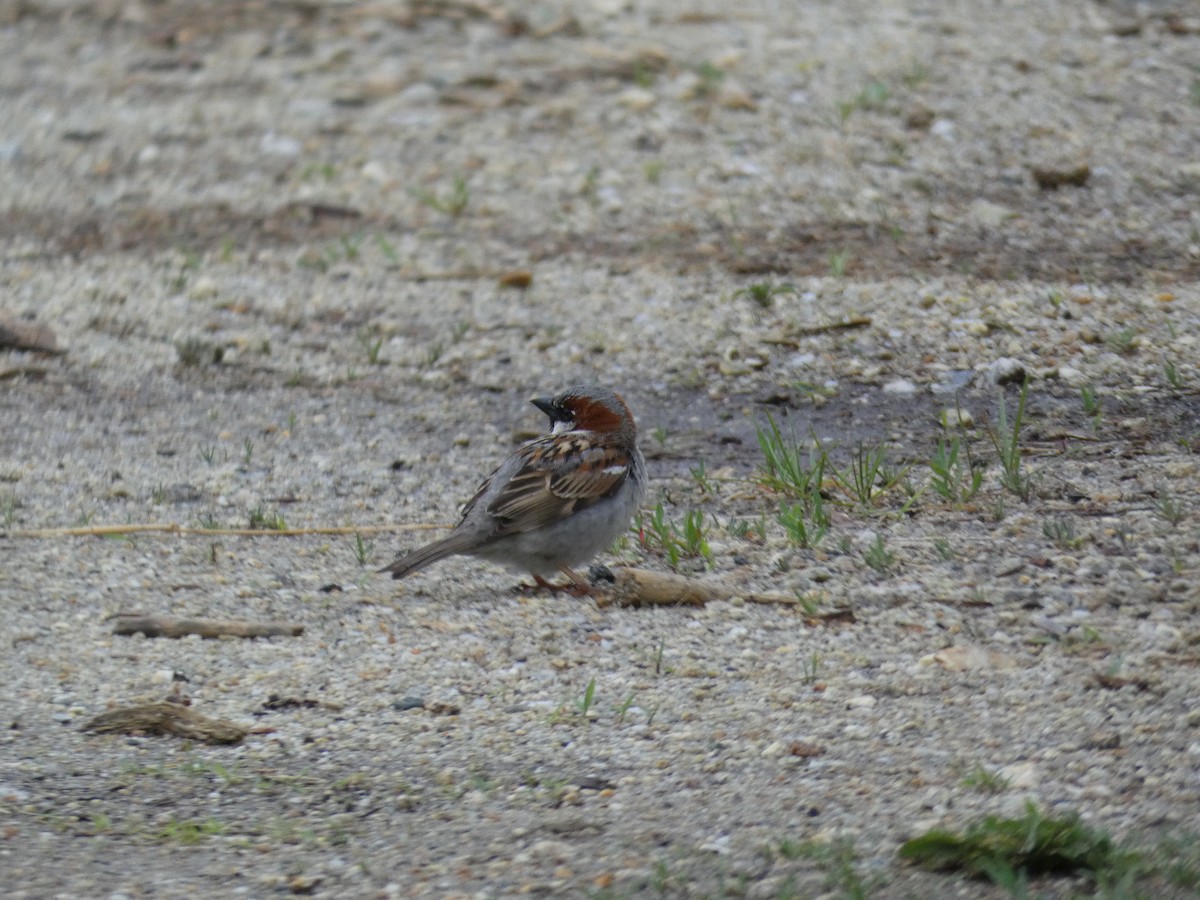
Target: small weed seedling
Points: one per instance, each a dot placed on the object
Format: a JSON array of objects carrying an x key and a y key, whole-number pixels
[
  {"x": 1084, "y": 639},
  {"x": 694, "y": 541},
  {"x": 868, "y": 476},
  {"x": 433, "y": 353},
  {"x": 1006, "y": 438},
  {"x": 838, "y": 260},
  {"x": 952, "y": 473},
  {"x": 362, "y": 549},
  {"x": 371, "y": 345},
  {"x": 1123, "y": 342},
  {"x": 387, "y": 248},
  {"x": 318, "y": 170},
  {"x": 699, "y": 473},
  {"x": 837, "y": 860},
  {"x": 813, "y": 392},
  {"x": 1061, "y": 533},
  {"x": 585, "y": 703},
  {"x": 189, "y": 264},
  {"x": 710, "y": 78},
  {"x": 918, "y": 73},
  {"x": 810, "y": 603},
  {"x": 764, "y": 292},
  {"x": 787, "y": 468},
  {"x": 997, "y": 848},
  {"x": 350, "y": 244},
  {"x": 658, "y": 530},
  {"x": 1169, "y": 508},
  {"x": 985, "y": 780},
  {"x": 746, "y": 531},
  {"x": 677, "y": 543},
  {"x": 872, "y": 97},
  {"x": 247, "y": 452},
  {"x": 806, "y": 523},
  {"x": 1091, "y": 402},
  {"x": 591, "y": 183},
  {"x": 452, "y": 204},
  {"x": 643, "y": 74},
  {"x": 261, "y": 520},
  {"x": 190, "y": 831},
  {"x": 811, "y": 668},
  {"x": 194, "y": 352},
  {"x": 878, "y": 556},
  {"x": 624, "y": 708},
  {"x": 1174, "y": 379}
]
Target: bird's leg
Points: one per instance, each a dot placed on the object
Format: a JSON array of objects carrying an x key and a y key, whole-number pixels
[
  {"x": 539, "y": 584},
  {"x": 577, "y": 588}
]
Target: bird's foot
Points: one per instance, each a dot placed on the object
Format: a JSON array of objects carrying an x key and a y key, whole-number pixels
[{"x": 576, "y": 587}]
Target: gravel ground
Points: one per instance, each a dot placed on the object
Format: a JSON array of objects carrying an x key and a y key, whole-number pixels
[{"x": 284, "y": 247}]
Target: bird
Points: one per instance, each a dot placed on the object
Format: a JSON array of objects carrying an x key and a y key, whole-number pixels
[{"x": 558, "y": 500}]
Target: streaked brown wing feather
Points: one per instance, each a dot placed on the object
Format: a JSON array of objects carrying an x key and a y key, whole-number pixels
[
  {"x": 527, "y": 495},
  {"x": 559, "y": 477},
  {"x": 587, "y": 484}
]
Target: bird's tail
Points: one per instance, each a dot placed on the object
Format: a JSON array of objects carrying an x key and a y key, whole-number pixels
[{"x": 455, "y": 542}]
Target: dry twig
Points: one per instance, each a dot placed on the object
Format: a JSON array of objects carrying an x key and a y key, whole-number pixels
[
  {"x": 170, "y": 528},
  {"x": 791, "y": 339},
  {"x": 166, "y": 718},
  {"x": 16, "y": 335},
  {"x": 171, "y": 627},
  {"x": 638, "y": 587}
]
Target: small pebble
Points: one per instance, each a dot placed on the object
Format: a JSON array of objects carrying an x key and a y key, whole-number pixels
[{"x": 1010, "y": 565}]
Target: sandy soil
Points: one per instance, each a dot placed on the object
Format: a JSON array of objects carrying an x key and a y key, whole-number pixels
[{"x": 308, "y": 260}]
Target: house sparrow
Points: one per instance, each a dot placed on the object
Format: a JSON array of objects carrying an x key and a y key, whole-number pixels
[{"x": 556, "y": 502}]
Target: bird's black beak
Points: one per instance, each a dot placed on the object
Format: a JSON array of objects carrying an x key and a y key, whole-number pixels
[{"x": 546, "y": 405}]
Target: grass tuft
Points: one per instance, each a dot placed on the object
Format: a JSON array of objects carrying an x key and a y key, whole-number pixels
[
  {"x": 764, "y": 293},
  {"x": 262, "y": 520},
  {"x": 685, "y": 541},
  {"x": 1006, "y": 438},
  {"x": 788, "y": 468},
  {"x": 1032, "y": 843}
]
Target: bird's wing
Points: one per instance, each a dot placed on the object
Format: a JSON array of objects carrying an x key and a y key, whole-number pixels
[{"x": 558, "y": 476}]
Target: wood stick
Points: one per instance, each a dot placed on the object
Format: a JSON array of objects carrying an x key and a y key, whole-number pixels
[
  {"x": 170, "y": 627},
  {"x": 634, "y": 587},
  {"x": 506, "y": 277},
  {"x": 171, "y": 528},
  {"x": 794, "y": 334},
  {"x": 853, "y": 322},
  {"x": 18, "y": 335},
  {"x": 166, "y": 718}
]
